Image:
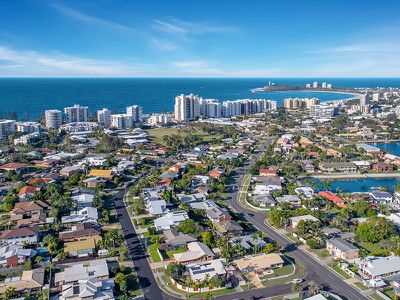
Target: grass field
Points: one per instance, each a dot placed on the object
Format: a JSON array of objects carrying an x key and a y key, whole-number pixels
[{"x": 159, "y": 133}]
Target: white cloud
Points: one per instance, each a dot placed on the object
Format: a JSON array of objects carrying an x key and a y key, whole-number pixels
[
  {"x": 196, "y": 68},
  {"x": 177, "y": 26},
  {"x": 163, "y": 45},
  {"x": 31, "y": 63},
  {"x": 168, "y": 27},
  {"x": 92, "y": 20}
]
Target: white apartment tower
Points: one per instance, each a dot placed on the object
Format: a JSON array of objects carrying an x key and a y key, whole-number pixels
[
  {"x": 104, "y": 117},
  {"x": 122, "y": 121},
  {"x": 76, "y": 113},
  {"x": 187, "y": 107},
  {"x": 364, "y": 99},
  {"x": 6, "y": 127},
  {"x": 136, "y": 112},
  {"x": 53, "y": 118}
]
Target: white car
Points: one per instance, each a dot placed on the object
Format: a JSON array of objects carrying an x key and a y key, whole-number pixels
[{"x": 297, "y": 280}]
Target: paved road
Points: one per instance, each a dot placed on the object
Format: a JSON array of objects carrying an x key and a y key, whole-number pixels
[
  {"x": 137, "y": 252},
  {"x": 315, "y": 271}
]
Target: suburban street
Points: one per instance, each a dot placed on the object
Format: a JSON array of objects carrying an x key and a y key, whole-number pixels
[
  {"x": 315, "y": 270},
  {"x": 137, "y": 252}
]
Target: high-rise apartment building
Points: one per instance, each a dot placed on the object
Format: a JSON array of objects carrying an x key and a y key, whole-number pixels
[
  {"x": 187, "y": 107},
  {"x": 76, "y": 113},
  {"x": 53, "y": 118},
  {"x": 136, "y": 112},
  {"x": 104, "y": 117},
  {"x": 364, "y": 99},
  {"x": 122, "y": 121},
  {"x": 6, "y": 127}
]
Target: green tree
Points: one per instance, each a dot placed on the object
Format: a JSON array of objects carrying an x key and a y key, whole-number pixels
[
  {"x": 208, "y": 238},
  {"x": 375, "y": 230}
]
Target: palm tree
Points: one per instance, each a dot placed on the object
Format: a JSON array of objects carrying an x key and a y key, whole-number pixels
[{"x": 313, "y": 287}]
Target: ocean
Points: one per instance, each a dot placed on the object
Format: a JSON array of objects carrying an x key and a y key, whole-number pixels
[{"x": 34, "y": 95}]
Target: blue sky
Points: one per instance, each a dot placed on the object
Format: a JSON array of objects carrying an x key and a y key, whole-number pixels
[{"x": 208, "y": 38}]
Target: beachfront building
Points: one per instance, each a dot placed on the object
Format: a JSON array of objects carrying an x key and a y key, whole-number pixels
[
  {"x": 28, "y": 127},
  {"x": 76, "y": 113},
  {"x": 122, "y": 121},
  {"x": 104, "y": 117},
  {"x": 6, "y": 127},
  {"x": 160, "y": 119},
  {"x": 187, "y": 107},
  {"x": 53, "y": 118},
  {"x": 136, "y": 112},
  {"x": 210, "y": 108},
  {"x": 247, "y": 107},
  {"x": 298, "y": 103},
  {"x": 324, "y": 111}
]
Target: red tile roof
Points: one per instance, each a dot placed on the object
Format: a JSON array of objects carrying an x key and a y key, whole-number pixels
[{"x": 333, "y": 198}]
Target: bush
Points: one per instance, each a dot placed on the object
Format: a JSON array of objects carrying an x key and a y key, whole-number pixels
[{"x": 315, "y": 244}]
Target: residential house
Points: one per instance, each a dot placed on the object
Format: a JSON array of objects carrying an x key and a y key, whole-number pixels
[
  {"x": 338, "y": 201},
  {"x": 382, "y": 167},
  {"x": 32, "y": 280},
  {"x": 343, "y": 167},
  {"x": 27, "y": 193},
  {"x": 203, "y": 205},
  {"x": 82, "y": 271},
  {"x": 296, "y": 220},
  {"x": 16, "y": 167},
  {"x": 342, "y": 249},
  {"x": 81, "y": 232},
  {"x": 170, "y": 219},
  {"x": 208, "y": 269},
  {"x": 89, "y": 289},
  {"x": 82, "y": 248},
  {"x": 29, "y": 213},
  {"x": 93, "y": 182},
  {"x": 216, "y": 173},
  {"x": 83, "y": 199},
  {"x": 271, "y": 171},
  {"x": 196, "y": 252},
  {"x": 229, "y": 228},
  {"x": 292, "y": 199},
  {"x": 305, "y": 192},
  {"x": 105, "y": 174},
  {"x": 176, "y": 240},
  {"x": 380, "y": 197},
  {"x": 248, "y": 241},
  {"x": 156, "y": 207},
  {"x": 84, "y": 215},
  {"x": 260, "y": 264},
  {"x": 11, "y": 255},
  {"x": 21, "y": 235},
  {"x": 218, "y": 214},
  {"x": 197, "y": 197},
  {"x": 380, "y": 267},
  {"x": 264, "y": 200}
]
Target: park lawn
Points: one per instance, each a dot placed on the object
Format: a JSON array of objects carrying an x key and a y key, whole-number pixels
[
  {"x": 341, "y": 272},
  {"x": 170, "y": 253},
  {"x": 389, "y": 292},
  {"x": 154, "y": 253},
  {"x": 376, "y": 297},
  {"x": 159, "y": 133},
  {"x": 360, "y": 286}
]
